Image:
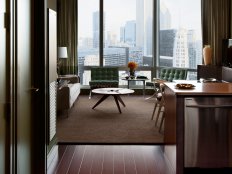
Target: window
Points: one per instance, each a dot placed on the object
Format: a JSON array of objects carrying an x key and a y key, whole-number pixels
[
  {"x": 180, "y": 43},
  {"x": 127, "y": 35},
  {"x": 113, "y": 32}
]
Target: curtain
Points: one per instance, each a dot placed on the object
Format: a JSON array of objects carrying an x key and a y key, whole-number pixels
[
  {"x": 215, "y": 25},
  {"x": 67, "y": 34}
]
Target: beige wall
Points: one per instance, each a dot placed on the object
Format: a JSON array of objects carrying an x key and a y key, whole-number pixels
[{"x": 52, "y": 4}]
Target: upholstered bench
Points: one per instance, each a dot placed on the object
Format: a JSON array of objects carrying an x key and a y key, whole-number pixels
[{"x": 103, "y": 77}]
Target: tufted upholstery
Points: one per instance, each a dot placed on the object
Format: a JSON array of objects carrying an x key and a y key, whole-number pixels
[
  {"x": 170, "y": 74},
  {"x": 103, "y": 77}
]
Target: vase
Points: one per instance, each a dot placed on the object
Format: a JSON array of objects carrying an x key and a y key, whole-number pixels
[
  {"x": 207, "y": 55},
  {"x": 132, "y": 73}
]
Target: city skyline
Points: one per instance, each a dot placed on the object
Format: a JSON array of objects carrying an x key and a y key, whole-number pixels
[
  {"x": 115, "y": 18},
  {"x": 178, "y": 47}
]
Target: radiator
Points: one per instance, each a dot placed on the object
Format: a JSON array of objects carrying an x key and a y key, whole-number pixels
[{"x": 52, "y": 110}]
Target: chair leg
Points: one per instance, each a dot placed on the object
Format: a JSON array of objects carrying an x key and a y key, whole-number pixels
[
  {"x": 162, "y": 120},
  {"x": 154, "y": 95},
  {"x": 90, "y": 94},
  {"x": 158, "y": 114},
  {"x": 153, "y": 114}
]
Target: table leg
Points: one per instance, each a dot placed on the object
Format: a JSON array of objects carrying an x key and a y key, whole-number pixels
[
  {"x": 120, "y": 100},
  {"x": 116, "y": 101},
  {"x": 101, "y": 100}
]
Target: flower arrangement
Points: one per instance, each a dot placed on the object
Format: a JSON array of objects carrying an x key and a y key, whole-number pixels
[{"x": 132, "y": 65}]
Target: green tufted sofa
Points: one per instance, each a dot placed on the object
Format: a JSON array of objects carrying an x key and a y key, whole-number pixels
[
  {"x": 103, "y": 77},
  {"x": 170, "y": 74}
]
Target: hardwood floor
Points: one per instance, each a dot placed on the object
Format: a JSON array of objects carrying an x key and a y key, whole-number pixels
[{"x": 109, "y": 159}]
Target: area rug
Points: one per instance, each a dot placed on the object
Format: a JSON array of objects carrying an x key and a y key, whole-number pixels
[{"x": 105, "y": 124}]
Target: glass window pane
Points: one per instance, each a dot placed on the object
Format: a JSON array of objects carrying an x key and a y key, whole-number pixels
[
  {"x": 180, "y": 43},
  {"x": 128, "y": 32},
  {"x": 88, "y": 35}
]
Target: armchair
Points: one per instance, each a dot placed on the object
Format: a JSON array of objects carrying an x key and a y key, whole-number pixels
[{"x": 103, "y": 77}]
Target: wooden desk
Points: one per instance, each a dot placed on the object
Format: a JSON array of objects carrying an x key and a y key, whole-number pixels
[{"x": 174, "y": 129}]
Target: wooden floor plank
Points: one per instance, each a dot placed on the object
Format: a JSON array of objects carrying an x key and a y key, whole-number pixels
[
  {"x": 130, "y": 167},
  {"x": 66, "y": 160},
  {"x": 151, "y": 155},
  {"x": 119, "y": 165},
  {"x": 97, "y": 163},
  {"x": 108, "y": 164},
  {"x": 77, "y": 159},
  {"x": 111, "y": 159},
  {"x": 139, "y": 161},
  {"x": 87, "y": 160}
]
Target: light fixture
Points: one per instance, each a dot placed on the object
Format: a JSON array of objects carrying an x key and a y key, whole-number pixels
[{"x": 62, "y": 52}]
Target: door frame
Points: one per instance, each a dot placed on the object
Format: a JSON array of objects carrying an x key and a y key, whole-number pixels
[{"x": 38, "y": 145}]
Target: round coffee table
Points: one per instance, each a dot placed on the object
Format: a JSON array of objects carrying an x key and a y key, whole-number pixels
[{"x": 115, "y": 92}]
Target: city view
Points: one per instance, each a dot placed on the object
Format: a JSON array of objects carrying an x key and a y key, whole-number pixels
[{"x": 128, "y": 36}]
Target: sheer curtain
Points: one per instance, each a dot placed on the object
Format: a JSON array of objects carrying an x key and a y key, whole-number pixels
[
  {"x": 215, "y": 25},
  {"x": 67, "y": 34}
]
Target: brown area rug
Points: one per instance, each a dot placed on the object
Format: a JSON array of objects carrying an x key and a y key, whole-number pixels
[{"x": 105, "y": 124}]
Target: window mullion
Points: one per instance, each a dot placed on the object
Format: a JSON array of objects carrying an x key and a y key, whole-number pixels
[{"x": 101, "y": 33}]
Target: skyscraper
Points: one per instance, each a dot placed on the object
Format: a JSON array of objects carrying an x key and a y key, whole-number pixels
[
  {"x": 130, "y": 32},
  {"x": 96, "y": 29},
  {"x": 181, "y": 57},
  {"x": 165, "y": 17},
  {"x": 144, "y": 18}
]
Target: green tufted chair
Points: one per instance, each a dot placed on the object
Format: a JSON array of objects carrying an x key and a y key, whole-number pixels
[{"x": 103, "y": 77}]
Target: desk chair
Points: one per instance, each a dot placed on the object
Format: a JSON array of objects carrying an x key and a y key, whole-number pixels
[{"x": 166, "y": 75}]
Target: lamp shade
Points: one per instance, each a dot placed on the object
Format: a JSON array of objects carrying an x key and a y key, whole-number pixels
[{"x": 62, "y": 52}]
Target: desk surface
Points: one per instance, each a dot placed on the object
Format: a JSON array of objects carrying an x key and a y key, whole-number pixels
[{"x": 201, "y": 88}]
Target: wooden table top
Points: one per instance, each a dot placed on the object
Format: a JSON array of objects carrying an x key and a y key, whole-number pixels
[{"x": 201, "y": 88}]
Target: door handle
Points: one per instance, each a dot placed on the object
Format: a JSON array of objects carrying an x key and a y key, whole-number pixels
[{"x": 33, "y": 89}]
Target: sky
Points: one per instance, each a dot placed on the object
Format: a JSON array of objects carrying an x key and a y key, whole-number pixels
[{"x": 184, "y": 12}]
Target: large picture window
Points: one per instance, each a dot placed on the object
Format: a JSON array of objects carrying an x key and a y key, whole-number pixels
[
  {"x": 114, "y": 32},
  {"x": 180, "y": 39}
]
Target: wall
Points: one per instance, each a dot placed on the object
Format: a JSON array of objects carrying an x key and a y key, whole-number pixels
[{"x": 52, "y": 4}]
